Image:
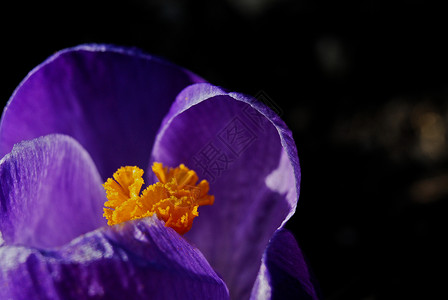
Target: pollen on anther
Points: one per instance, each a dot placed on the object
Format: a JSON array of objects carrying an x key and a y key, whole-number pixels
[{"x": 174, "y": 199}]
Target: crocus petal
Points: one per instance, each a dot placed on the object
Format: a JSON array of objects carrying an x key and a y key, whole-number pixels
[
  {"x": 284, "y": 273},
  {"x": 137, "y": 260},
  {"x": 50, "y": 192},
  {"x": 110, "y": 99},
  {"x": 249, "y": 156}
]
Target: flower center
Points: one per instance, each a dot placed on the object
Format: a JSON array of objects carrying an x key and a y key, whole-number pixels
[{"x": 174, "y": 199}]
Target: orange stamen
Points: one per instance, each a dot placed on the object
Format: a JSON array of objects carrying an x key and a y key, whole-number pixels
[{"x": 175, "y": 199}]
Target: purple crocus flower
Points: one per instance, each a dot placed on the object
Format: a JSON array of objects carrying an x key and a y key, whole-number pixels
[{"x": 88, "y": 110}]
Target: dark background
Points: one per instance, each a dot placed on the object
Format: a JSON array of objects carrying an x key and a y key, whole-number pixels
[{"x": 363, "y": 85}]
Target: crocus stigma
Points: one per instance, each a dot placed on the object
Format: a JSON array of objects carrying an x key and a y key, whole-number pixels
[{"x": 174, "y": 199}]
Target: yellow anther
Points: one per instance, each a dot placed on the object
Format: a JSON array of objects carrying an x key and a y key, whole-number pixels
[{"x": 175, "y": 199}]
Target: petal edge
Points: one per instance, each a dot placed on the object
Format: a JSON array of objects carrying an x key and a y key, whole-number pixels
[
  {"x": 111, "y": 99},
  {"x": 50, "y": 192},
  {"x": 136, "y": 260},
  {"x": 254, "y": 175}
]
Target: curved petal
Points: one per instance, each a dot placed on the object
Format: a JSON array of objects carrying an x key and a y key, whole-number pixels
[
  {"x": 284, "y": 273},
  {"x": 248, "y": 155},
  {"x": 110, "y": 99},
  {"x": 50, "y": 193},
  {"x": 135, "y": 260}
]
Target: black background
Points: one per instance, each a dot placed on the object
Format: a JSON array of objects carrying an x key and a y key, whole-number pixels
[{"x": 363, "y": 85}]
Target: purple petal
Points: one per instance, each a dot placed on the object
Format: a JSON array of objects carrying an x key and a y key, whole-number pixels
[
  {"x": 284, "y": 273},
  {"x": 249, "y": 156},
  {"x": 136, "y": 260},
  {"x": 110, "y": 99},
  {"x": 50, "y": 193}
]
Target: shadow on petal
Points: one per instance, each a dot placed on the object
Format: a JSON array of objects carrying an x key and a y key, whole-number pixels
[
  {"x": 247, "y": 154},
  {"x": 284, "y": 273},
  {"x": 50, "y": 193},
  {"x": 112, "y": 100},
  {"x": 136, "y": 260}
]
